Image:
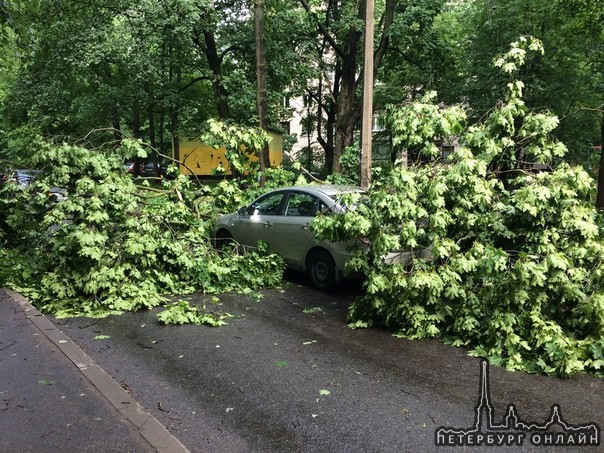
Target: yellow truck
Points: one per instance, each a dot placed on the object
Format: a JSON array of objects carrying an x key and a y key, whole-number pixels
[{"x": 201, "y": 159}]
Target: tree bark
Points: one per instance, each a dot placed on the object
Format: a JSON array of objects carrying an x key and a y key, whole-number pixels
[
  {"x": 175, "y": 76},
  {"x": 347, "y": 114},
  {"x": 215, "y": 64},
  {"x": 135, "y": 125},
  {"x": 117, "y": 129},
  {"x": 263, "y": 157},
  {"x": 152, "y": 139}
]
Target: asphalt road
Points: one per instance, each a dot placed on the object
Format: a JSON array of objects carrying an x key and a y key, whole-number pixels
[{"x": 288, "y": 375}]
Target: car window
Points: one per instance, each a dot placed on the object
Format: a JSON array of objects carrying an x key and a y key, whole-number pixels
[
  {"x": 268, "y": 205},
  {"x": 26, "y": 177},
  {"x": 303, "y": 205}
]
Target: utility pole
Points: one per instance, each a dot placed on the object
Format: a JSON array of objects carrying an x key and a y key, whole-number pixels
[
  {"x": 600, "y": 195},
  {"x": 367, "y": 117}
]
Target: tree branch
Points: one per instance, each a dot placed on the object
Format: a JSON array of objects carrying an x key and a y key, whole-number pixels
[
  {"x": 304, "y": 170},
  {"x": 325, "y": 32},
  {"x": 386, "y": 22}
]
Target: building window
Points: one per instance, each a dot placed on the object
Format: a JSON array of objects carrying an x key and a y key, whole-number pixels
[
  {"x": 376, "y": 124},
  {"x": 285, "y": 126}
]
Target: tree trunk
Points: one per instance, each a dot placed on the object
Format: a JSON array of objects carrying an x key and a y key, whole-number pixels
[
  {"x": 117, "y": 130},
  {"x": 175, "y": 76},
  {"x": 263, "y": 156},
  {"x": 153, "y": 142},
  {"x": 136, "y": 133},
  {"x": 215, "y": 64},
  {"x": 347, "y": 113},
  {"x": 325, "y": 139},
  {"x": 329, "y": 145}
]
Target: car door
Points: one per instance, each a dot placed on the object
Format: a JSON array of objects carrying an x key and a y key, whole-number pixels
[
  {"x": 292, "y": 232},
  {"x": 257, "y": 224}
]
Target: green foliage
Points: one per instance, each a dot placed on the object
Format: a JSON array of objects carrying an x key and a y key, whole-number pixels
[
  {"x": 505, "y": 262},
  {"x": 182, "y": 312},
  {"x": 513, "y": 60},
  {"x": 240, "y": 143},
  {"x": 21, "y": 143},
  {"x": 567, "y": 79},
  {"x": 280, "y": 177},
  {"x": 415, "y": 125},
  {"x": 351, "y": 162},
  {"x": 230, "y": 195},
  {"x": 6, "y": 266},
  {"x": 113, "y": 245}
]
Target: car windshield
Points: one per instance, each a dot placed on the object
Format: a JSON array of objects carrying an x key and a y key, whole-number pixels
[{"x": 349, "y": 201}]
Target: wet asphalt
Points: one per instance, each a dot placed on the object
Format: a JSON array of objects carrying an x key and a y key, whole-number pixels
[{"x": 285, "y": 375}]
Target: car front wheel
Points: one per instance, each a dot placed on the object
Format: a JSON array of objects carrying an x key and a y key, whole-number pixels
[
  {"x": 224, "y": 239},
  {"x": 322, "y": 270}
]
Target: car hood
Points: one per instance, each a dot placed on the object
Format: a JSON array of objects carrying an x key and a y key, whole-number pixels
[{"x": 226, "y": 218}]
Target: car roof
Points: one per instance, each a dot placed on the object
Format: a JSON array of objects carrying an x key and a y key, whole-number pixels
[{"x": 327, "y": 189}]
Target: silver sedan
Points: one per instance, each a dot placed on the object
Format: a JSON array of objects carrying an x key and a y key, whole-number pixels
[{"x": 282, "y": 220}]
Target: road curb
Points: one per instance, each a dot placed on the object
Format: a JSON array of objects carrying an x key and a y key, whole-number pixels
[{"x": 149, "y": 427}]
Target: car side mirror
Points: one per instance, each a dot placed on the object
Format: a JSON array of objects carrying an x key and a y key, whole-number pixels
[{"x": 243, "y": 210}]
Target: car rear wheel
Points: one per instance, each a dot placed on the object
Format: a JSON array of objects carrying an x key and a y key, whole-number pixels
[{"x": 322, "y": 270}]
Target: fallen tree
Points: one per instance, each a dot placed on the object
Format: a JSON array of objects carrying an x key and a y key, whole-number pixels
[
  {"x": 516, "y": 273},
  {"x": 115, "y": 244}
]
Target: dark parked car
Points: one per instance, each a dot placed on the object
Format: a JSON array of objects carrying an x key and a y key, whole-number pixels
[
  {"x": 23, "y": 177},
  {"x": 151, "y": 169},
  {"x": 148, "y": 169}
]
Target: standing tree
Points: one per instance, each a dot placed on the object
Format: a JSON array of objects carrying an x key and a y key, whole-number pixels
[
  {"x": 86, "y": 66},
  {"x": 567, "y": 80},
  {"x": 402, "y": 28}
]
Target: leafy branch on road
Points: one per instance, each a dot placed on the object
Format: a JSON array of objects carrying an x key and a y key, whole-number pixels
[
  {"x": 117, "y": 244},
  {"x": 182, "y": 312}
]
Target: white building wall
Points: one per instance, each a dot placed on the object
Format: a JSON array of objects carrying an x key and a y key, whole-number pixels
[{"x": 298, "y": 129}]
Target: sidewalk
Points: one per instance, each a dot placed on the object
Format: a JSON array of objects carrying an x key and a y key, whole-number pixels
[{"x": 54, "y": 398}]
